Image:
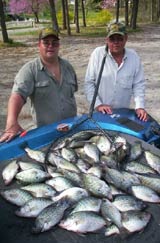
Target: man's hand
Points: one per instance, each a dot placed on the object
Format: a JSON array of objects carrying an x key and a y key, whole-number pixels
[
  {"x": 104, "y": 109},
  {"x": 142, "y": 114},
  {"x": 11, "y": 132}
]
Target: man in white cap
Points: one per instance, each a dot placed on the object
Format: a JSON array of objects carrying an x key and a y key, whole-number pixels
[
  {"x": 122, "y": 74},
  {"x": 49, "y": 81}
]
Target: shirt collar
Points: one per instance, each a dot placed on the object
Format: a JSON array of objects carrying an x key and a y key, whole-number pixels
[{"x": 40, "y": 64}]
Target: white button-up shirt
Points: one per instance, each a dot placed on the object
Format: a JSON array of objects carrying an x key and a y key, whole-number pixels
[{"x": 118, "y": 83}]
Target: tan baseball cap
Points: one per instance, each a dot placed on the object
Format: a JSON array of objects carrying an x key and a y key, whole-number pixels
[{"x": 48, "y": 32}]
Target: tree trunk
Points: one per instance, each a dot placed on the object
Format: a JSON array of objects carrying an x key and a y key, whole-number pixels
[
  {"x": 117, "y": 11},
  {"x": 158, "y": 9},
  {"x": 83, "y": 13},
  {"x": 3, "y": 23},
  {"x": 126, "y": 12},
  {"x": 53, "y": 15},
  {"x": 36, "y": 17},
  {"x": 67, "y": 18},
  {"x": 76, "y": 16},
  {"x": 64, "y": 25},
  {"x": 134, "y": 14}
]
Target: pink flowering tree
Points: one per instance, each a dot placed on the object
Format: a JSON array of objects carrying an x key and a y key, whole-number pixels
[
  {"x": 108, "y": 4},
  {"x": 27, "y": 6}
]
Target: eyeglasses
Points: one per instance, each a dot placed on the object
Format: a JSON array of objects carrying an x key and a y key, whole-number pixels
[
  {"x": 53, "y": 43},
  {"x": 116, "y": 39}
]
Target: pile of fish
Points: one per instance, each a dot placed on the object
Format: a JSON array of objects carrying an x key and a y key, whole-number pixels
[{"x": 88, "y": 182}]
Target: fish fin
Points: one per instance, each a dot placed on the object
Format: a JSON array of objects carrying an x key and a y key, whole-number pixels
[
  {"x": 18, "y": 213},
  {"x": 124, "y": 233}
]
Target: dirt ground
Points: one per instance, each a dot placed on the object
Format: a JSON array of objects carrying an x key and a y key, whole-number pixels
[{"x": 77, "y": 50}]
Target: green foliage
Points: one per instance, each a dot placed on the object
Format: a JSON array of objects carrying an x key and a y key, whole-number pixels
[
  {"x": 99, "y": 18},
  {"x": 60, "y": 20}
]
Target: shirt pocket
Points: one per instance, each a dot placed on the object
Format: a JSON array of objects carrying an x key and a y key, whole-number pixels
[
  {"x": 44, "y": 83},
  {"x": 42, "y": 89},
  {"x": 69, "y": 87}
]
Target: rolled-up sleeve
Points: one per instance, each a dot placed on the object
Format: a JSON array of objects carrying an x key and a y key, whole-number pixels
[{"x": 24, "y": 81}]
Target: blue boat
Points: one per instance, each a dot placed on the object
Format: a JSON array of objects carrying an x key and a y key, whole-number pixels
[
  {"x": 122, "y": 120},
  {"x": 15, "y": 229}
]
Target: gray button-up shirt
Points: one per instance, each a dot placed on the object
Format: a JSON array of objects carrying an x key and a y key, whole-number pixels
[
  {"x": 51, "y": 101},
  {"x": 118, "y": 83}
]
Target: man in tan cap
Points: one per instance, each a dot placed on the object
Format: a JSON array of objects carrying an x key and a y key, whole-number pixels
[
  {"x": 49, "y": 81},
  {"x": 122, "y": 75}
]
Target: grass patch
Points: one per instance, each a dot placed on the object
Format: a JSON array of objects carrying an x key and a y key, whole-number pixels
[
  {"x": 89, "y": 31},
  {"x": 11, "y": 43}
]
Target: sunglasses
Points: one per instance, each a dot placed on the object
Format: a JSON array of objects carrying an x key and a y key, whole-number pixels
[
  {"x": 53, "y": 43},
  {"x": 116, "y": 39}
]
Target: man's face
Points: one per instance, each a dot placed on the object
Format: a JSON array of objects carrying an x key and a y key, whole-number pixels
[
  {"x": 116, "y": 43},
  {"x": 49, "y": 47}
]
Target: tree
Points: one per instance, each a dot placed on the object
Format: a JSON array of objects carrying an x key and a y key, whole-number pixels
[
  {"x": 76, "y": 16},
  {"x": 127, "y": 12},
  {"x": 3, "y": 23},
  {"x": 117, "y": 11},
  {"x": 133, "y": 23},
  {"x": 67, "y": 17},
  {"x": 27, "y": 6},
  {"x": 83, "y": 13},
  {"x": 63, "y": 15},
  {"x": 53, "y": 15}
]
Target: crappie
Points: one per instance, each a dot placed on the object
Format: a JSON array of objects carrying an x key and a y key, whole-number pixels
[
  {"x": 153, "y": 160},
  {"x": 29, "y": 165},
  {"x": 60, "y": 183},
  {"x": 69, "y": 154},
  {"x": 110, "y": 212},
  {"x": 62, "y": 163},
  {"x": 82, "y": 165},
  {"x": 9, "y": 172},
  {"x": 95, "y": 170},
  {"x": 16, "y": 196},
  {"x": 121, "y": 179},
  {"x": 109, "y": 160},
  {"x": 81, "y": 136},
  {"x": 33, "y": 207},
  {"x": 135, "y": 150},
  {"x": 40, "y": 190},
  {"x": 145, "y": 193},
  {"x": 73, "y": 194},
  {"x": 83, "y": 222},
  {"x": 127, "y": 202},
  {"x": 103, "y": 144},
  {"x": 135, "y": 220},
  {"x": 96, "y": 186},
  {"x": 35, "y": 154},
  {"x": 92, "y": 152},
  {"x": 152, "y": 182},
  {"x": 138, "y": 167},
  {"x": 32, "y": 176},
  {"x": 50, "y": 216},
  {"x": 72, "y": 176},
  {"x": 87, "y": 204}
]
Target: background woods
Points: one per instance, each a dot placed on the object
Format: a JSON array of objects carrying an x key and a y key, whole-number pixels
[{"x": 73, "y": 15}]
